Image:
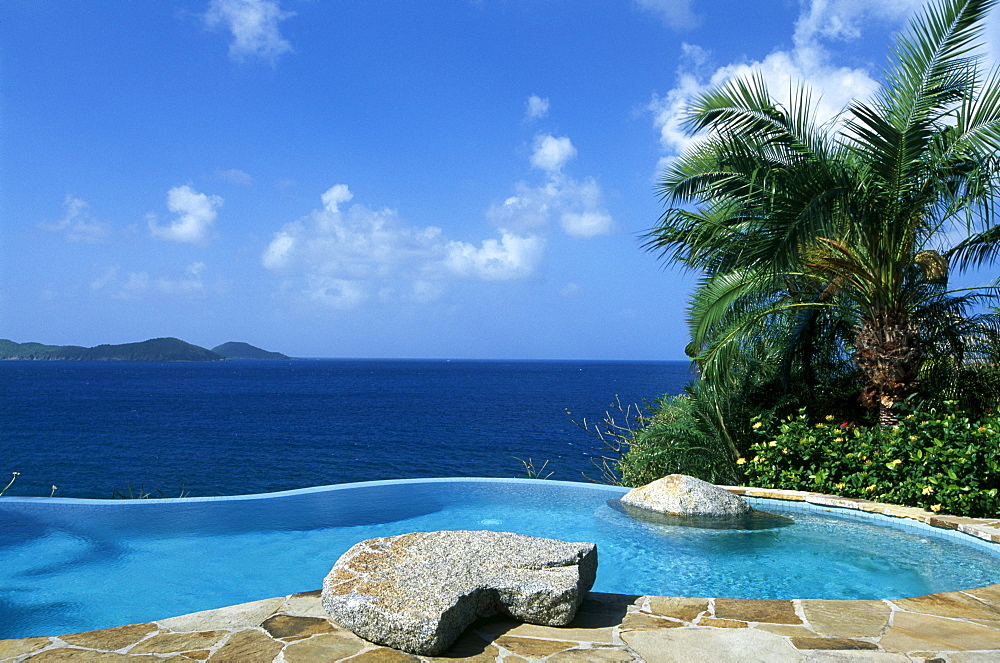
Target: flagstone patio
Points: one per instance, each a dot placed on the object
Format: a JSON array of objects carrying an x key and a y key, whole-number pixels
[{"x": 953, "y": 626}]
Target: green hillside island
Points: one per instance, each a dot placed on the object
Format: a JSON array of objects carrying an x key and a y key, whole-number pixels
[
  {"x": 156, "y": 349},
  {"x": 238, "y": 350}
]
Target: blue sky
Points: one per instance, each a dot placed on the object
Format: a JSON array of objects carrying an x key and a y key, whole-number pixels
[{"x": 461, "y": 178}]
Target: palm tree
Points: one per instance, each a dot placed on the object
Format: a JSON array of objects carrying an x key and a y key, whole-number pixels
[{"x": 787, "y": 218}]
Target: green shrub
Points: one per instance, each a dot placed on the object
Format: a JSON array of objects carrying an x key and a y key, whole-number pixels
[
  {"x": 680, "y": 437},
  {"x": 936, "y": 458}
]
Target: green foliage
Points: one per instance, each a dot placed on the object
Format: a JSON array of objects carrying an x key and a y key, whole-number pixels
[
  {"x": 680, "y": 437},
  {"x": 240, "y": 350},
  {"x": 156, "y": 349},
  {"x": 935, "y": 458},
  {"x": 974, "y": 387},
  {"x": 833, "y": 242}
]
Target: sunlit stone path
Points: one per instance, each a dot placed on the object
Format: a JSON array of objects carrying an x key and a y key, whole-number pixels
[{"x": 953, "y": 626}]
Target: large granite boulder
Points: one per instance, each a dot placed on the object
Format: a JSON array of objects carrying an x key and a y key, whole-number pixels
[
  {"x": 418, "y": 592},
  {"x": 681, "y": 495}
]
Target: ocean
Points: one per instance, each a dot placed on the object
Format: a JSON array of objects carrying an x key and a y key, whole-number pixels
[{"x": 226, "y": 428}]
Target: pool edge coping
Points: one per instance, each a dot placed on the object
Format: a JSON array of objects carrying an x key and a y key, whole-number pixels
[{"x": 986, "y": 529}]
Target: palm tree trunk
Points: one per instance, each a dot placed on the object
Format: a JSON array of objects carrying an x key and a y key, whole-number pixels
[{"x": 888, "y": 352}]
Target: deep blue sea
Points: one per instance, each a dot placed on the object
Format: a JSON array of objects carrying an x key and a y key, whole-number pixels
[{"x": 235, "y": 427}]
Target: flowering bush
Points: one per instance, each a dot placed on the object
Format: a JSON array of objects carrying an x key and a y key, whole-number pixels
[{"x": 937, "y": 459}]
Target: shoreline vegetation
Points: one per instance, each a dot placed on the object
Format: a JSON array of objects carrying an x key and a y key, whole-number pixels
[
  {"x": 155, "y": 349},
  {"x": 834, "y": 353}
]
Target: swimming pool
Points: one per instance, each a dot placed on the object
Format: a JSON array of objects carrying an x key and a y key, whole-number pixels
[{"x": 71, "y": 565}]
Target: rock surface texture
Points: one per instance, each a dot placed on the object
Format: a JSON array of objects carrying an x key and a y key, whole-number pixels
[
  {"x": 679, "y": 494},
  {"x": 418, "y": 592}
]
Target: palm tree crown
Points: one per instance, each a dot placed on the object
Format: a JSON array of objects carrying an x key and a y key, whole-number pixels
[{"x": 852, "y": 222}]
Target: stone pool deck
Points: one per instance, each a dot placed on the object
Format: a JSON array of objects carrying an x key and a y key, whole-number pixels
[{"x": 960, "y": 626}]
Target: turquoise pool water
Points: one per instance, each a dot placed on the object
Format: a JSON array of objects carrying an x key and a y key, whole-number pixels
[{"x": 72, "y": 565}]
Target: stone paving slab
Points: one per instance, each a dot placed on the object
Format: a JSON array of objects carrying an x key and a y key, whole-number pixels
[
  {"x": 949, "y": 627},
  {"x": 946, "y": 627}
]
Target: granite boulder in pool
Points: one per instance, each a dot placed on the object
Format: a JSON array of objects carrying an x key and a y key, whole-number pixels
[
  {"x": 417, "y": 592},
  {"x": 681, "y": 495}
]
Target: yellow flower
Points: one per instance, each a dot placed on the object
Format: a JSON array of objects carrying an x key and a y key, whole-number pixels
[
  {"x": 840, "y": 486},
  {"x": 772, "y": 443},
  {"x": 756, "y": 425},
  {"x": 897, "y": 462},
  {"x": 870, "y": 488},
  {"x": 982, "y": 429},
  {"x": 741, "y": 461},
  {"x": 784, "y": 450},
  {"x": 821, "y": 425},
  {"x": 935, "y": 508},
  {"x": 829, "y": 417},
  {"x": 927, "y": 490},
  {"x": 913, "y": 438},
  {"x": 838, "y": 439}
]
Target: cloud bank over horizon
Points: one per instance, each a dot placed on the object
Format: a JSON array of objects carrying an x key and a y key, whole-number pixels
[{"x": 342, "y": 258}]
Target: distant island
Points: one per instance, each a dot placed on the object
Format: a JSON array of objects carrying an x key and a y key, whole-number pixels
[
  {"x": 238, "y": 350},
  {"x": 156, "y": 349}
]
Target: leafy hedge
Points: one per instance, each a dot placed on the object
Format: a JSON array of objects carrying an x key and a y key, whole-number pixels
[{"x": 937, "y": 459}]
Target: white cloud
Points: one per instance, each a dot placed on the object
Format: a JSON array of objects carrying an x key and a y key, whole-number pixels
[
  {"x": 586, "y": 224},
  {"x": 234, "y": 176},
  {"x": 334, "y": 196},
  {"x": 279, "y": 252},
  {"x": 845, "y": 19},
  {"x": 77, "y": 223},
  {"x": 342, "y": 258},
  {"x": 105, "y": 279},
  {"x": 991, "y": 37},
  {"x": 577, "y": 205},
  {"x": 676, "y": 14},
  {"x": 571, "y": 289},
  {"x": 552, "y": 153},
  {"x": 808, "y": 62},
  {"x": 333, "y": 292},
  {"x": 253, "y": 25},
  {"x": 512, "y": 257},
  {"x": 140, "y": 284},
  {"x": 196, "y": 212},
  {"x": 537, "y": 107}
]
